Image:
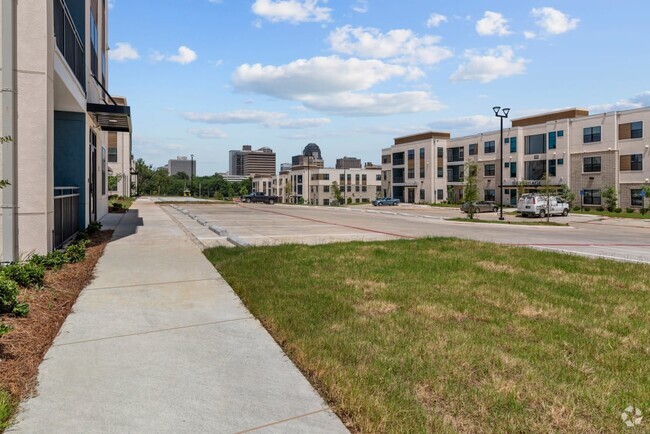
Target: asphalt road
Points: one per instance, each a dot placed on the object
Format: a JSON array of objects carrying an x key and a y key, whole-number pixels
[{"x": 619, "y": 239}]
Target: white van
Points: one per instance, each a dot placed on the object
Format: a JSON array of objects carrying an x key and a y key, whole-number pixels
[{"x": 535, "y": 205}]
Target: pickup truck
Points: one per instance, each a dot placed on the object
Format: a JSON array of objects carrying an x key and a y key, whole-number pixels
[{"x": 258, "y": 196}]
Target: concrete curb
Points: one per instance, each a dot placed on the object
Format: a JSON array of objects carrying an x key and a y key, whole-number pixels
[
  {"x": 234, "y": 239},
  {"x": 218, "y": 230},
  {"x": 201, "y": 221}
]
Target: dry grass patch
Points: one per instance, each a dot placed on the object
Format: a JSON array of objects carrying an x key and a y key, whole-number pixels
[
  {"x": 496, "y": 268},
  {"x": 376, "y": 308}
]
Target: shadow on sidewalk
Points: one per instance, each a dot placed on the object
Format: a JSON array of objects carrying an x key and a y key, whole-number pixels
[{"x": 127, "y": 225}]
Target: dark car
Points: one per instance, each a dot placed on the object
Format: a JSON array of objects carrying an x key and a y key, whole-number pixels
[
  {"x": 480, "y": 206},
  {"x": 385, "y": 201}
]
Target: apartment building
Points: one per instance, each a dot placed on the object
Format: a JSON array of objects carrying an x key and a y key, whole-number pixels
[
  {"x": 58, "y": 111},
  {"x": 569, "y": 147},
  {"x": 120, "y": 160}
]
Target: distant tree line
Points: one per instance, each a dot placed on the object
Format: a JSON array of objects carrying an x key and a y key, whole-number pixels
[{"x": 158, "y": 182}]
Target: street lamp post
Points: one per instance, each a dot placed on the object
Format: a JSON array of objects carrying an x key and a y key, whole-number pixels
[
  {"x": 308, "y": 178},
  {"x": 191, "y": 172},
  {"x": 501, "y": 114}
]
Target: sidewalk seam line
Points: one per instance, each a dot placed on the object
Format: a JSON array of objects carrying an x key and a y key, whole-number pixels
[
  {"x": 216, "y": 279},
  {"x": 282, "y": 421},
  {"x": 182, "y": 227},
  {"x": 155, "y": 331}
]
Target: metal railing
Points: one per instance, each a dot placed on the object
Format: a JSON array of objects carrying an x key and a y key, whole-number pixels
[
  {"x": 66, "y": 214},
  {"x": 69, "y": 42}
]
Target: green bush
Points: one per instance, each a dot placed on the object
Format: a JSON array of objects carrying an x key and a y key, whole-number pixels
[
  {"x": 617, "y": 210},
  {"x": 643, "y": 211},
  {"x": 28, "y": 274},
  {"x": 600, "y": 208},
  {"x": 51, "y": 261},
  {"x": 4, "y": 328},
  {"x": 629, "y": 210},
  {"x": 576, "y": 208},
  {"x": 9, "y": 298},
  {"x": 76, "y": 252},
  {"x": 117, "y": 205},
  {"x": 94, "y": 227},
  {"x": 81, "y": 236}
]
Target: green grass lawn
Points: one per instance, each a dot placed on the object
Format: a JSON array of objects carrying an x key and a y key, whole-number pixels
[
  {"x": 125, "y": 201},
  {"x": 7, "y": 409},
  {"x": 444, "y": 335},
  {"x": 507, "y": 222},
  {"x": 635, "y": 215}
]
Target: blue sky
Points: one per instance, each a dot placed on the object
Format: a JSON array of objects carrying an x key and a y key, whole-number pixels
[{"x": 207, "y": 76}]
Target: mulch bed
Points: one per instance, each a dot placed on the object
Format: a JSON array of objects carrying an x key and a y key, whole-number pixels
[{"x": 23, "y": 349}]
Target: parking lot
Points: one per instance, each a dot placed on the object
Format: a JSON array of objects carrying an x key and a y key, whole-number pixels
[{"x": 246, "y": 224}]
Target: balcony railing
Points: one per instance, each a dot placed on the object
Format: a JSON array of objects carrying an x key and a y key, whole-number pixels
[
  {"x": 66, "y": 214},
  {"x": 69, "y": 42}
]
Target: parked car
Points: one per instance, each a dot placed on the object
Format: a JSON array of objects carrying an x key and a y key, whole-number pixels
[
  {"x": 480, "y": 206},
  {"x": 259, "y": 196},
  {"x": 535, "y": 205},
  {"x": 385, "y": 201}
]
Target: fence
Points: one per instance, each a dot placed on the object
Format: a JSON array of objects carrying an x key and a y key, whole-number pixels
[{"x": 66, "y": 214}]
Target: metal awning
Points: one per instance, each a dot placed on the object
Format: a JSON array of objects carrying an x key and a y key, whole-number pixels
[{"x": 111, "y": 117}]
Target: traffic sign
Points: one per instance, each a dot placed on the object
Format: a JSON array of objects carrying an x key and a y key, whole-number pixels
[
  {"x": 582, "y": 192},
  {"x": 642, "y": 193}
]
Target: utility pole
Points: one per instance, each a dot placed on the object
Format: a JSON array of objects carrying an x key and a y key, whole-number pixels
[{"x": 191, "y": 173}]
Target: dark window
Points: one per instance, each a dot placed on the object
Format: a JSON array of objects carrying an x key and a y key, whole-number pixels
[
  {"x": 364, "y": 188},
  {"x": 326, "y": 189},
  {"x": 103, "y": 170},
  {"x": 440, "y": 194},
  {"x": 631, "y": 162},
  {"x": 513, "y": 170},
  {"x": 411, "y": 154},
  {"x": 112, "y": 155},
  {"x": 591, "y": 134},
  {"x": 455, "y": 154},
  {"x": 385, "y": 159},
  {"x": 326, "y": 201},
  {"x": 299, "y": 179},
  {"x": 513, "y": 144},
  {"x": 421, "y": 152},
  {"x": 535, "y": 144},
  {"x": 636, "y": 130},
  {"x": 378, "y": 177},
  {"x": 440, "y": 172},
  {"x": 489, "y": 147},
  {"x": 591, "y": 164},
  {"x": 560, "y": 161},
  {"x": 552, "y": 140},
  {"x": 535, "y": 170},
  {"x": 552, "y": 167},
  {"x": 560, "y": 133},
  {"x": 591, "y": 197},
  {"x": 473, "y": 148},
  {"x": 411, "y": 173},
  {"x": 357, "y": 188},
  {"x": 490, "y": 170},
  {"x": 326, "y": 177},
  {"x": 422, "y": 172},
  {"x": 440, "y": 152},
  {"x": 421, "y": 194},
  {"x": 490, "y": 195},
  {"x": 636, "y": 198},
  {"x": 398, "y": 158}
]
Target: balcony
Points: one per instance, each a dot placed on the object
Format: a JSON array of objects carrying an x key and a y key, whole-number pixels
[
  {"x": 69, "y": 42},
  {"x": 66, "y": 214}
]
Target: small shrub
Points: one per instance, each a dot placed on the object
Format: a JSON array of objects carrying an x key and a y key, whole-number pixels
[
  {"x": 629, "y": 210},
  {"x": 51, "y": 261},
  {"x": 94, "y": 227},
  {"x": 643, "y": 211},
  {"x": 117, "y": 206},
  {"x": 8, "y": 294},
  {"x": 28, "y": 275},
  {"x": 81, "y": 236},
  {"x": 576, "y": 208},
  {"x": 617, "y": 210},
  {"x": 5, "y": 328},
  {"x": 21, "y": 310},
  {"x": 76, "y": 252},
  {"x": 600, "y": 208}
]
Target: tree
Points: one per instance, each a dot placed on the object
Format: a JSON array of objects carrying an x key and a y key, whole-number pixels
[
  {"x": 113, "y": 180},
  {"x": 450, "y": 194},
  {"x": 337, "y": 193},
  {"x": 546, "y": 189},
  {"x": 566, "y": 194},
  {"x": 611, "y": 199},
  {"x": 470, "y": 188},
  {"x": 287, "y": 190}
]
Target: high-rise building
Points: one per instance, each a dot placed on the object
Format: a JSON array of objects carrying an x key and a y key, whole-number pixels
[
  {"x": 181, "y": 164},
  {"x": 248, "y": 162},
  {"x": 348, "y": 163}
]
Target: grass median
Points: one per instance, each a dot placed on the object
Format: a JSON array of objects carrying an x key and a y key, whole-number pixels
[
  {"x": 444, "y": 335},
  {"x": 506, "y": 222}
]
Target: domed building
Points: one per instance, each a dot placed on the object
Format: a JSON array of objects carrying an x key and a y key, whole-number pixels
[
  {"x": 312, "y": 150},
  {"x": 311, "y": 156}
]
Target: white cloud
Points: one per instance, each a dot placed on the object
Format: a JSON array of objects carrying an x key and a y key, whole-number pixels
[
  {"x": 492, "y": 23},
  {"x": 530, "y": 35},
  {"x": 496, "y": 63},
  {"x": 361, "y": 6},
  {"x": 640, "y": 100},
  {"x": 317, "y": 76},
  {"x": 111, "y": 4},
  {"x": 268, "y": 119},
  {"x": 293, "y": 11},
  {"x": 400, "y": 45},
  {"x": 465, "y": 125},
  {"x": 553, "y": 21},
  {"x": 184, "y": 56},
  {"x": 379, "y": 104},
  {"x": 435, "y": 20},
  {"x": 208, "y": 133},
  {"x": 123, "y": 51}
]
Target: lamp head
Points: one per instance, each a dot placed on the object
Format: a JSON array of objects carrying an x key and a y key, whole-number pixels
[
  {"x": 496, "y": 110},
  {"x": 506, "y": 111}
]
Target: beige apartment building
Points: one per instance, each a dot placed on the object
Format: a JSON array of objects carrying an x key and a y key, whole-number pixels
[
  {"x": 120, "y": 160},
  {"x": 569, "y": 147},
  {"x": 58, "y": 111}
]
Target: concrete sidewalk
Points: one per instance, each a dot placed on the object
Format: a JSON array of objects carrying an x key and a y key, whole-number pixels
[{"x": 159, "y": 342}]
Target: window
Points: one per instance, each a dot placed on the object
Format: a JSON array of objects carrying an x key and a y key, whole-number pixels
[
  {"x": 421, "y": 194},
  {"x": 326, "y": 189},
  {"x": 535, "y": 170},
  {"x": 473, "y": 148},
  {"x": 364, "y": 188},
  {"x": 356, "y": 178},
  {"x": 631, "y": 162},
  {"x": 421, "y": 152},
  {"x": 112, "y": 155},
  {"x": 489, "y": 170},
  {"x": 552, "y": 167},
  {"x": 421, "y": 172},
  {"x": 513, "y": 145},
  {"x": 636, "y": 130},
  {"x": 506, "y": 165},
  {"x": 326, "y": 202},
  {"x": 635, "y": 197},
  {"x": 591, "y": 197},
  {"x": 398, "y": 158},
  {"x": 513, "y": 170},
  {"x": 385, "y": 159},
  {"x": 299, "y": 179},
  {"x": 560, "y": 133},
  {"x": 411, "y": 173},
  {"x": 489, "y": 147},
  {"x": 378, "y": 177},
  {"x": 103, "y": 170},
  {"x": 349, "y": 189},
  {"x": 552, "y": 140},
  {"x": 591, "y": 164},
  {"x": 489, "y": 195},
  {"x": 455, "y": 154},
  {"x": 560, "y": 161},
  {"x": 440, "y": 152},
  {"x": 411, "y": 154},
  {"x": 440, "y": 194},
  {"x": 535, "y": 144},
  {"x": 440, "y": 172},
  {"x": 591, "y": 135},
  {"x": 112, "y": 147}
]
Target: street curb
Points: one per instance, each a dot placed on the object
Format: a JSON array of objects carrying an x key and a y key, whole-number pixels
[
  {"x": 238, "y": 241},
  {"x": 219, "y": 230}
]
